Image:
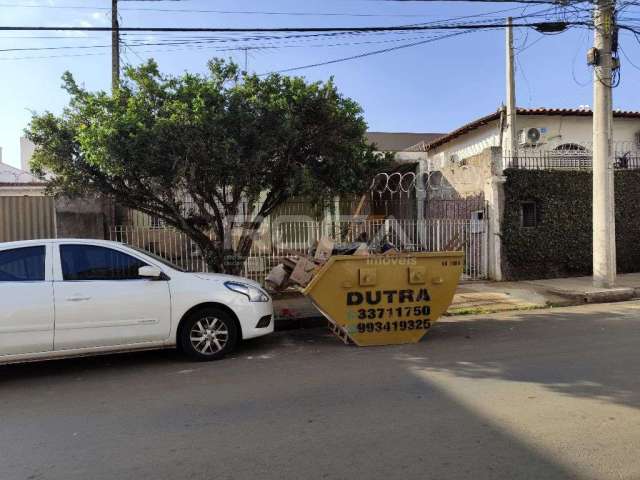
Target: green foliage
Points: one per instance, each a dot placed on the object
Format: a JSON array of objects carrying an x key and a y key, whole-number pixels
[
  {"x": 561, "y": 244},
  {"x": 215, "y": 141}
]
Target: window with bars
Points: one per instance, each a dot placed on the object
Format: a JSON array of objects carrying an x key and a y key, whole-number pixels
[{"x": 528, "y": 215}]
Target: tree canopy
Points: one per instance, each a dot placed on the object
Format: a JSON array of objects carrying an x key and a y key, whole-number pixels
[{"x": 191, "y": 149}]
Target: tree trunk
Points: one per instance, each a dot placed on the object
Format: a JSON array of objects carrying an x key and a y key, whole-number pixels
[{"x": 243, "y": 249}]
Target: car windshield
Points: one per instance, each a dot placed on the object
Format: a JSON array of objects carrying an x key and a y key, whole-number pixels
[{"x": 164, "y": 261}]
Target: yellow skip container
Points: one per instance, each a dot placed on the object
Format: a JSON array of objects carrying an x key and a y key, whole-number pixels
[{"x": 385, "y": 299}]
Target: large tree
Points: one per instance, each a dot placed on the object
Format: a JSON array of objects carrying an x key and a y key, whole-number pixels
[{"x": 192, "y": 149}]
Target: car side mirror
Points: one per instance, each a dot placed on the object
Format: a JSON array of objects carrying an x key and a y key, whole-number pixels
[{"x": 153, "y": 273}]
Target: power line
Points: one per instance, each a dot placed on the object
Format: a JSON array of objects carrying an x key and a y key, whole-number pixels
[
  {"x": 291, "y": 29},
  {"x": 366, "y": 54},
  {"x": 279, "y": 38},
  {"x": 435, "y": 22},
  {"x": 547, "y": 2},
  {"x": 210, "y": 42},
  {"x": 221, "y": 12}
]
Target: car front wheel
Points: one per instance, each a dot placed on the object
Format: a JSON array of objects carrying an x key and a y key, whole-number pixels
[{"x": 208, "y": 334}]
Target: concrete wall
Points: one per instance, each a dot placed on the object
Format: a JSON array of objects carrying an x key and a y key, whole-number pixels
[
  {"x": 82, "y": 218},
  {"x": 463, "y": 179}
]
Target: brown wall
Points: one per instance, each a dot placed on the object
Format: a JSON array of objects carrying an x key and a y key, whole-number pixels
[{"x": 25, "y": 218}]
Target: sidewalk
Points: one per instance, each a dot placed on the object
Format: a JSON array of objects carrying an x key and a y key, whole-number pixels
[{"x": 294, "y": 310}]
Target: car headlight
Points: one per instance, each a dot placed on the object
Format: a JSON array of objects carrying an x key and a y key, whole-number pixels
[{"x": 254, "y": 294}]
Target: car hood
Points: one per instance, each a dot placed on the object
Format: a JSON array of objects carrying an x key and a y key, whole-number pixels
[{"x": 221, "y": 277}]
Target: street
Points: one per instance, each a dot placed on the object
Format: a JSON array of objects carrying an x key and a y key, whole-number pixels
[{"x": 541, "y": 394}]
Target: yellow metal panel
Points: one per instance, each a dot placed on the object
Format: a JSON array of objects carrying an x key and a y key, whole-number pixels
[
  {"x": 368, "y": 277},
  {"x": 417, "y": 275},
  {"x": 408, "y": 293}
]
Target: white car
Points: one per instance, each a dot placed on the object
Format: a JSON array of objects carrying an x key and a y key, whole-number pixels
[{"x": 62, "y": 298}]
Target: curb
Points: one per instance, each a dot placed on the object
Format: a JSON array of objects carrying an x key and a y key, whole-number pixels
[{"x": 598, "y": 296}]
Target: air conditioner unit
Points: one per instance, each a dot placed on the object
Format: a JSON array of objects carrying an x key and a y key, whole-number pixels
[{"x": 531, "y": 136}]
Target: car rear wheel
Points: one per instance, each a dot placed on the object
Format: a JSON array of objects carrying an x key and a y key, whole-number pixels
[{"x": 208, "y": 334}]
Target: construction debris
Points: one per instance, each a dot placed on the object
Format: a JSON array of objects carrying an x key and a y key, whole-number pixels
[
  {"x": 324, "y": 250},
  {"x": 277, "y": 278},
  {"x": 362, "y": 250},
  {"x": 303, "y": 273},
  {"x": 297, "y": 270}
]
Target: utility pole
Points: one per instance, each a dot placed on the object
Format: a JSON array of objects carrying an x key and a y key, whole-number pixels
[
  {"x": 604, "y": 228},
  {"x": 511, "y": 143},
  {"x": 115, "y": 47}
]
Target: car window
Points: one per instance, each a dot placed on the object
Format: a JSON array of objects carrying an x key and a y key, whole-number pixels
[
  {"x": 22, "y": 264},
  {"x": 158, "y": 258},
  {"x": 90, "y": 262}
]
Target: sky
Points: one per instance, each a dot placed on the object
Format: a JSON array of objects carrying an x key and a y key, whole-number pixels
[{"x": 433, "y": 87}]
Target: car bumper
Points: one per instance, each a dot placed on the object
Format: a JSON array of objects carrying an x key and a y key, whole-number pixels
[{"x": 252, "y": 318}]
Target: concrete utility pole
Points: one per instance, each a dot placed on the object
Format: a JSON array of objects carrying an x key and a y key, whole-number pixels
[
  {"x": 115, "y": 47},
  {"x": 511, "y": 141},
  {"x": 604, "y": 228}
]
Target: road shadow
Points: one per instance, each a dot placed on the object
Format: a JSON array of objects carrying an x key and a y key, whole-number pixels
[
  {"x": 318, "y": 410},
  {"x": 160, "y": 360},
  {"x": 579, "y": 353}
]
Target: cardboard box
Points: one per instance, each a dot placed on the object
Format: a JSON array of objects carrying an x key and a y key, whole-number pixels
[
  {"x": 289, "y": 263},
  {"x": 277, "y": 277},
  {"x": 323, "y": 250},
  {"x": 362, "y": 250},
  {"x": 303, "y": 273}
]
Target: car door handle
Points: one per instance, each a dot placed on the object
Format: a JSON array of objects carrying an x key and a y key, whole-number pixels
[{"x": 78, "y": 298}]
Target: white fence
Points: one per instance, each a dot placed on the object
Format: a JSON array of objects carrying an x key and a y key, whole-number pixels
[{"x": 287, "y": 236}]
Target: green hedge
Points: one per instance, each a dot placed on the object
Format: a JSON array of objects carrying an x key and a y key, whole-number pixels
[{"x": 560, "y": 245}]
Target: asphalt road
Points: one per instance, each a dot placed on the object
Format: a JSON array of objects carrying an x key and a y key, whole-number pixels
[{"x": 551, "y": 394}]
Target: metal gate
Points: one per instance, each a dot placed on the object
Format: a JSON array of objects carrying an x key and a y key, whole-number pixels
[{"x": 26, "y": 218}]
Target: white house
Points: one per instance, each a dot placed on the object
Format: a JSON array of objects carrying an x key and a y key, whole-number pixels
[
  {"x": 468, "y": 162},
  {"x": 539, "y": 129}
]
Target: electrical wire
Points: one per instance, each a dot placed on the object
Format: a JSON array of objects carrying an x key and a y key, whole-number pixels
[
  {"x": 366, "y": 54},
  {"x": 469, "y": 26}
]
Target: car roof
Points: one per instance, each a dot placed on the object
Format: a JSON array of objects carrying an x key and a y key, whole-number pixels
[{"x": 88, "y": 241}]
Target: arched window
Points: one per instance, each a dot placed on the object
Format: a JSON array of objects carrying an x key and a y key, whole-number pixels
[
  {"x": 570, "y": 155},
  {"x": 570, "y": 148}
]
